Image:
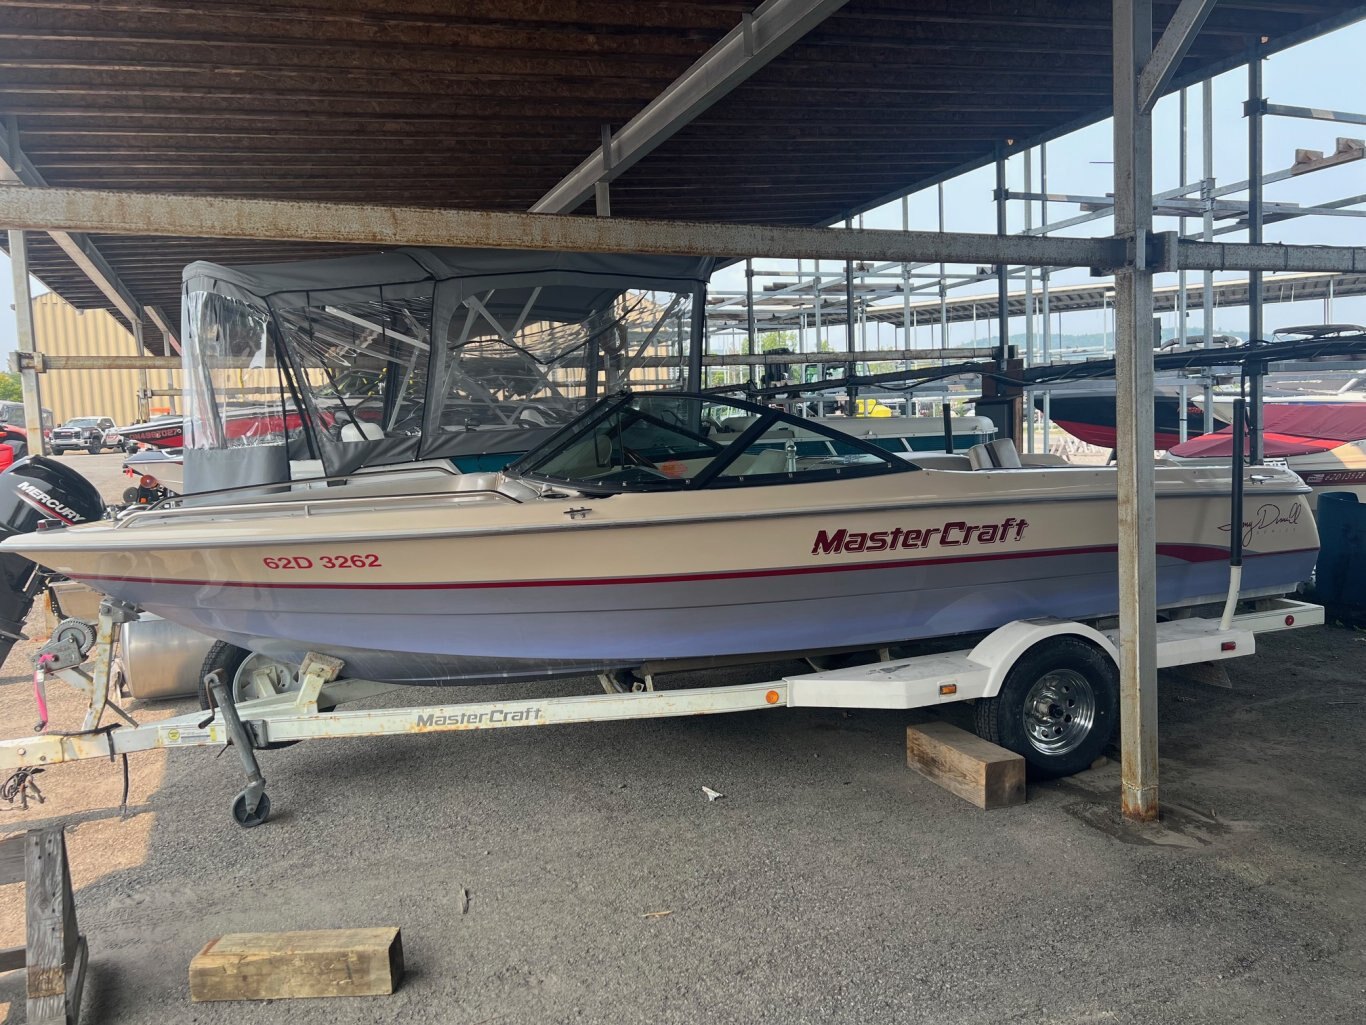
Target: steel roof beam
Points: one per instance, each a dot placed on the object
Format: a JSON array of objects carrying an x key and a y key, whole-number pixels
[
  {"x": 208, "y": 216},
  {"x": 748, "y": 47},
  {"x": 1171, "y": 50}
]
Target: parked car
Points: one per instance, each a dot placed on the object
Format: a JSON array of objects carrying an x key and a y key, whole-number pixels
[
  {"x": 12, "y": 414},
  {"x": 92, "y": 433}
]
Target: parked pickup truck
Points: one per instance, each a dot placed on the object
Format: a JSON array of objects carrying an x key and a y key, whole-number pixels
[{"x": 92, "y": 433}]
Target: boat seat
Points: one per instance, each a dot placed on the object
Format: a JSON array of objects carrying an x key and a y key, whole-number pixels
[
  {"x": 1004, "y": 454},
  {"x": 941, "y": 461},
  {"x": 1000, "y": 454},
  {"x": 361, "y": 430},
  {"x": 772, "y": 460},
  {"x": 736, "y": 424}
]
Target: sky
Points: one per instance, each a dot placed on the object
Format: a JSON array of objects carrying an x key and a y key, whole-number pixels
[{"x": 1312, "y": 74}]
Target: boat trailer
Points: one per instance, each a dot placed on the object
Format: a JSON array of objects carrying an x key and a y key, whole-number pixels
[{"x": 88, "y": 660}]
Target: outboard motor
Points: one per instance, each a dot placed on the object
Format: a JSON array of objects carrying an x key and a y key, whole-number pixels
[{"x": 32, "y": 490}]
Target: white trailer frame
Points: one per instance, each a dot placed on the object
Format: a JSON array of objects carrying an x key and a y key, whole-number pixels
[{"x": 917, "y": 682}]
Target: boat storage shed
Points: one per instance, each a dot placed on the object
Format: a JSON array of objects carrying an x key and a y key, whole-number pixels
[
  {"x": 140, "y": 136},
  {"x": 149, "y": 133}
]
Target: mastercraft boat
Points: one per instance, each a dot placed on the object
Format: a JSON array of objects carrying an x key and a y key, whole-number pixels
[
  {"x": 656, "y": 525},
  {"x": 643, "y": 533}
]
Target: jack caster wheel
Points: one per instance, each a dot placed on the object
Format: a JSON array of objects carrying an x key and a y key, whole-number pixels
[{"x": 247, "y": 819}]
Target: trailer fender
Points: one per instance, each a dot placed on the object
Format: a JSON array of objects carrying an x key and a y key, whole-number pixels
[{"x": 1000, "y": 649}]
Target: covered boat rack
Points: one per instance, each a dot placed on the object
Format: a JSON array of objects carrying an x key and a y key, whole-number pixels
[
  {"x": 1142, "y": 70},
  {"x": 310, "y": 711}
]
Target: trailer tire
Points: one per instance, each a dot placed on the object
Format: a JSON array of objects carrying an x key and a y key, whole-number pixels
[
  {"x": 225, "y": 657},
  {"x": 1057, "y": 707},
  {"x": 229, "y": 658}
]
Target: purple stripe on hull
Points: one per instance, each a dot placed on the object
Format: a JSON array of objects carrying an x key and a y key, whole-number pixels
[{"x": 422, "y": 635}]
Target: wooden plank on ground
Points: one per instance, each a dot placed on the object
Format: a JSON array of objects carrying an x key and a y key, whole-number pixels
[
  {"x": 274, "y": 966},
  {"x": 965, "y": 764},
  {"x": 51, "y": 927},
  {"x": 12, "y": 959}
]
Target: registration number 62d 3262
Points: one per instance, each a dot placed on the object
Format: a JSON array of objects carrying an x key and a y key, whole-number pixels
[{"x": 359, "y": 561}]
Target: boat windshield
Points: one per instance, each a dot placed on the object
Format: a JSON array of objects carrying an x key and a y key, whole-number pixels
[{"x": 666, "y": 441}]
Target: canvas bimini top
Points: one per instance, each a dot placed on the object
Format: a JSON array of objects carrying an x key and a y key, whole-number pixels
[{"x": 390, "y": 357}]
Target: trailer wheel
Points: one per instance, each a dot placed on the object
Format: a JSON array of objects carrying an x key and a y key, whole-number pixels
[
  {"x": 1057, "y": 707},
  {"x": 230, "y": 658},
  {"x": 222, "y": 656}
]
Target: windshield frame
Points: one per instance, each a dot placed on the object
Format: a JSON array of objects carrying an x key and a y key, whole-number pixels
[{"x": 728, "y": 452}]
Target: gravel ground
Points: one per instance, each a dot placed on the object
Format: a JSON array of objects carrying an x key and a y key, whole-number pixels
[{"x": 830, "y": 884}]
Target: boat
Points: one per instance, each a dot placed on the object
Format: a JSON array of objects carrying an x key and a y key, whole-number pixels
[
  {"x": 1324, "y": 443},
  {"x": 657, "y": 524},
  {"x": 643, "y": 533},
  {"x": 168, "y": 431},
  {"x": 161, "y": 432},
  {"x": 1090, "y": 416}
]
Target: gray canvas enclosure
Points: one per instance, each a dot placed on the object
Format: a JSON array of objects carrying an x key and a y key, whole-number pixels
[{"x": 325, "y": 366}]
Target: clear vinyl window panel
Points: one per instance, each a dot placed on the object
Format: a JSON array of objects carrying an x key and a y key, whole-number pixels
[
  {"x": 534, "y": 356},
  {"x": 235, "y": 393},
  {"x": 362, "y": 366}
]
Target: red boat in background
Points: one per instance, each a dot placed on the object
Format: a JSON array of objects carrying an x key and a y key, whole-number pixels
[
  {"x": 1091, "y": 417},
  {"x": 169, "y": 431},
  {"x": 160, "y": 432}
]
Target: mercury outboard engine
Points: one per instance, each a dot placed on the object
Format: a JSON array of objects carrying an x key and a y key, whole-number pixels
[{"x": 32, "y": 490}]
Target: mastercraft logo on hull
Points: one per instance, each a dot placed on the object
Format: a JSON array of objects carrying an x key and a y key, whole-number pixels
[{"x": 950, "y": 535}]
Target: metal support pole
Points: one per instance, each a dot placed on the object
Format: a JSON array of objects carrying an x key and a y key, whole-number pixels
[
  {"x": 1044, "y": 276},
  {"x": 1207, "y": 198},
  {"x": 816, "y": 325},
  {"x": 1183, "y": 162},
  {"x": 144, "y": 383},
  {"x": 697, "y": 339},
  {"x": 749, "y": 314},
  {"x": 1002, "y": 271},
  {"x": 851, "y": 392},
  {"x": 1255, "y": 110},
  {"x": 1029, "y": 271},
  {"x": 27, "y": 342},
  {"x": 1029, "y": 303},
  {"x": 943, "y": 285},
  {"x": 1133, "y": 35},
  {"x": 907, "y": 328}
]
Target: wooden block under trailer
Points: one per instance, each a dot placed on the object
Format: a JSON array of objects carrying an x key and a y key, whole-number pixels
[
  {"x": 276, "y": 966},
  {"x": 963, "y": 763}
]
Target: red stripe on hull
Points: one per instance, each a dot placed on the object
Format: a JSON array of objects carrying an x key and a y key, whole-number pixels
[{"x": 1182, "y": 552}]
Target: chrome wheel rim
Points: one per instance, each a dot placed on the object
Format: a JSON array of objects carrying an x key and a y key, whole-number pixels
[{"x": 1059, "y": 712}]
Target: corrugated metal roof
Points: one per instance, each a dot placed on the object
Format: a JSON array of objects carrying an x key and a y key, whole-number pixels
[{"x": 488, "y": 103}]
